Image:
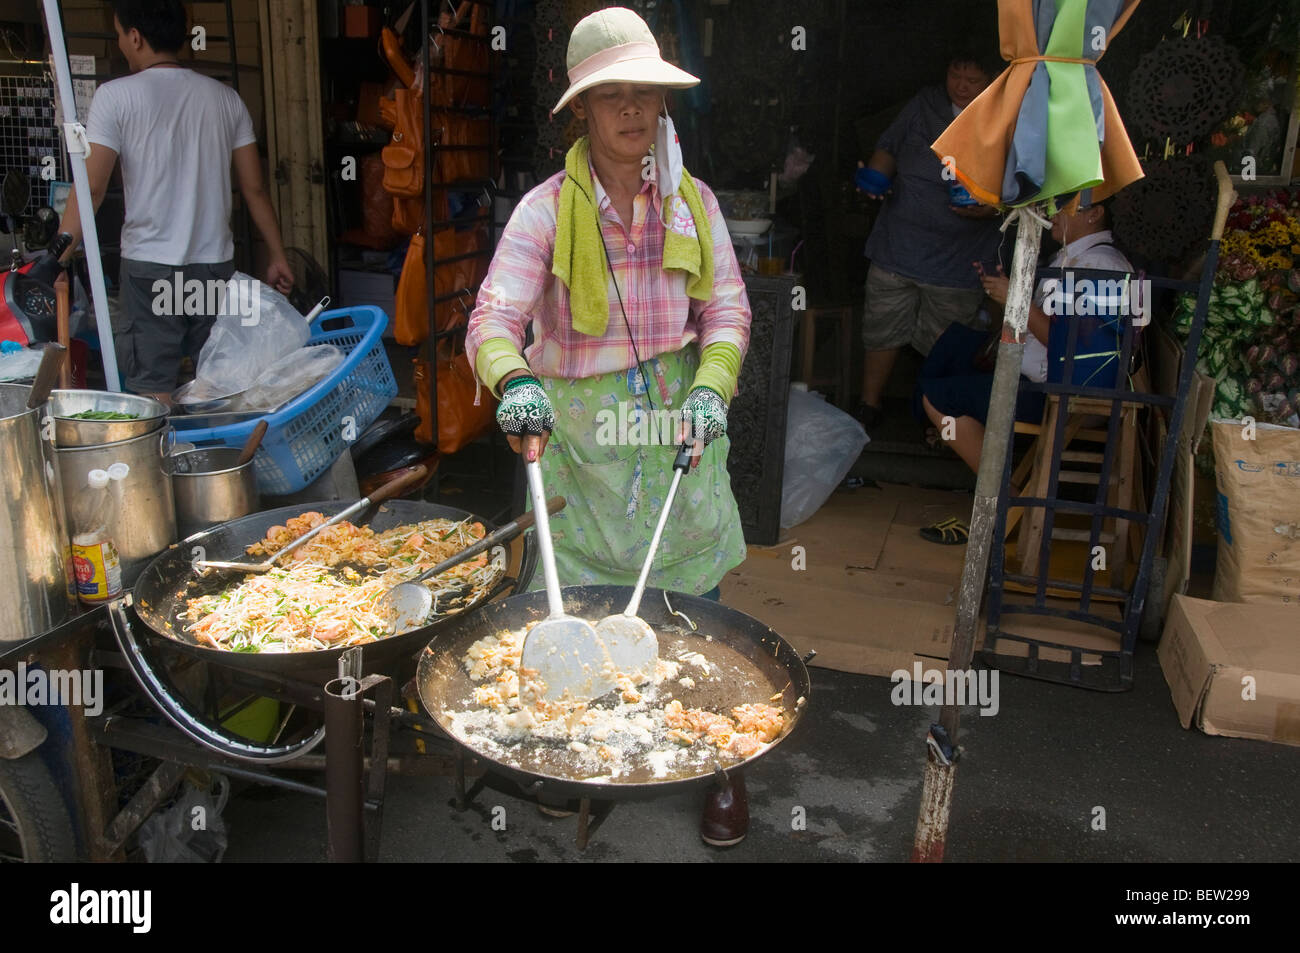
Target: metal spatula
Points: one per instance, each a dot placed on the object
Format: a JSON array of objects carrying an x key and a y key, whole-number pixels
[
  {"x": 633, "y": 646},
  {"x": 565, "y": 651},
  {"x": 411, "y": 602}
]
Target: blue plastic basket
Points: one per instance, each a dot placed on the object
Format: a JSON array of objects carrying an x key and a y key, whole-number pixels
[{"x": 305, "y": 436}]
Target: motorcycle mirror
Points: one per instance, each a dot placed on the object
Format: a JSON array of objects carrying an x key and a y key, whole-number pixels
[
  {"x": 40, "y": 227},
  {"x": 14, "y": 194}
]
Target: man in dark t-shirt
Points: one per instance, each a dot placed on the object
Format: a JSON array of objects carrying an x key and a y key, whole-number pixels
[{"x": 923, "y": 246}]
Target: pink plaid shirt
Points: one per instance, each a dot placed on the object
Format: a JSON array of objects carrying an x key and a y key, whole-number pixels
[{"x": 519, "y": 288}]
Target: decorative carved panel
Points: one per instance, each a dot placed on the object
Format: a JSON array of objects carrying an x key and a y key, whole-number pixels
[{"x": 756, "y": 418}]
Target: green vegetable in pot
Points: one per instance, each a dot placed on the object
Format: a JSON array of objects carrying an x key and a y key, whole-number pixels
[{"x": 103, "y": 415}]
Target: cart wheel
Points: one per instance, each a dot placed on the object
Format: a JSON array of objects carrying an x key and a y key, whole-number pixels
[
  {"x": 1153, "y": 619},
  {"x": 34, "y": 824}
]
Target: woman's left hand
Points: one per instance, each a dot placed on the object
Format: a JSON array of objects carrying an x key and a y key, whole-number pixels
[{"x": 704, "y": 418}]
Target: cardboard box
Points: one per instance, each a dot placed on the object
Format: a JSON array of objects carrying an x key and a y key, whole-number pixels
[
  {"x": 1233, "y": 668},
  {"x": 1180, "y": 522}
]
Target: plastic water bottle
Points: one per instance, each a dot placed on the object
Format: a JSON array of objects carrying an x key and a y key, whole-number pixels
[{"x": 95, "y": 562}]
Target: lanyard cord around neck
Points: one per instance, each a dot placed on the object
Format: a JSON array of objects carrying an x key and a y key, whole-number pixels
[{"x": 645, "y": 380}]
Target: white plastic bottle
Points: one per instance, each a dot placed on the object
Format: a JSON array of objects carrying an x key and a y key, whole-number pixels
[{"x": 94, "y": 557}]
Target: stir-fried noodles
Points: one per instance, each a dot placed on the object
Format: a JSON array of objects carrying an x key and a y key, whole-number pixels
[{"x": 328, "y": 592}]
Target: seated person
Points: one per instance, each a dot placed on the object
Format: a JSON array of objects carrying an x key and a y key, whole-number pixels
[{"x": 957, "y": 382}]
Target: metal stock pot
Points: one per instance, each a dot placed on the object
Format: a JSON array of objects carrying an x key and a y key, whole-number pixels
[
  {"x": 34, "y": 556},
  {"x": 145, "y": 524}
]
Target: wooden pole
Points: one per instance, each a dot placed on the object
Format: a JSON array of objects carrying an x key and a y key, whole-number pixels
[
  {"x": 63, "y": 325},
  {"x": 937, "y": 786}
]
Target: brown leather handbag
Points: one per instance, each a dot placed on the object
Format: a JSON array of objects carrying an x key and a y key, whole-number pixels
[
  {"x": 460, "y": 423},
  {"x": 462, "y": 54},
  {"x": 376, "y": 229},
  {"x": 403, "y": 156},
  {"x": 453, "y": 129},
  {"x": 404, "y": 162},
  {"x": 410, "y": 322},
  {"x": 453, "y": 276}
]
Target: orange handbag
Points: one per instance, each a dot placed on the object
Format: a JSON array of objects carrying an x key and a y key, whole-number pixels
[
  {"x": 411, "y": 323},
  {"x": 455, "y": 276},
  {"x": 403, "y": 156},
  {"x": 464, "y": 54},
  {"x": 451, "y": 129},
  {"x": 460, "y": 423}
]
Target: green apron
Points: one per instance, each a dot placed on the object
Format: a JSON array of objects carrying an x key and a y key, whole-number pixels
[{"x": 605, "y": 460}]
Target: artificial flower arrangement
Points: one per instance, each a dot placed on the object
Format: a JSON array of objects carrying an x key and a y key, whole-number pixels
[{"x": 1251, "y": 342}]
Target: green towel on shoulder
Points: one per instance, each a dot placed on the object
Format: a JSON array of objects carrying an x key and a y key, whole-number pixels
[{"x": 580, "y": 255}]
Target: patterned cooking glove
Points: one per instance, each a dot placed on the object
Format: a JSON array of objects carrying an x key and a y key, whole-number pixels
[
  {"x": 525, "y": 408},
  {"x": 705, "y": 414}
]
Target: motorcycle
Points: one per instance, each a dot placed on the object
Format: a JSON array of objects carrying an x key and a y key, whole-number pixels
[{"x": 27, "y": 304}]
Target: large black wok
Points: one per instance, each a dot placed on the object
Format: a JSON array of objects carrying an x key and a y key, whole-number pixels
[
  {"x": 163, "y": 589},
  {"x": 160, "y": 594},
  {"x": 755, "y": 664}
]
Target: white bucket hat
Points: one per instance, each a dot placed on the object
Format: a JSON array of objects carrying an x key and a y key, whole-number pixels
[{"x": 614, "y": 45}]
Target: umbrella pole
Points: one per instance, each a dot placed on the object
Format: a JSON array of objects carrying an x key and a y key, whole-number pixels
[
  {"x": 74, "y": 140},
  {"x": 936, "y": 790}
]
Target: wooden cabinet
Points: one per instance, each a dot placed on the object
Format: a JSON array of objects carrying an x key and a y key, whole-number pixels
[{"x": 756, "y": 417}]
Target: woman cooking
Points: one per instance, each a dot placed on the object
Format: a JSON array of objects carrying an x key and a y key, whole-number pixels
[{"x": 623, "y": 267}]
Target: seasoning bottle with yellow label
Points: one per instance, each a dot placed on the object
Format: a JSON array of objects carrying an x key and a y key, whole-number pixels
[{"x": 94, "y": 557}]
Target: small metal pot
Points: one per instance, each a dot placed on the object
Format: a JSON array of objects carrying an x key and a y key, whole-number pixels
[
  {"x": 146, "y": 523},
  {"x": 210, "y": 488},
  {"x": 150, "y": 414}
]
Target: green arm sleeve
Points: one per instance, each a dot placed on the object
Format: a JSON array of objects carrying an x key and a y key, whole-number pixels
[
  {"x": 496, "y": 358},
  {"x": 719, "y": 369}
]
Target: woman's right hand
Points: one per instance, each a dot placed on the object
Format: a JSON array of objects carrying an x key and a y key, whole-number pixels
[
  {"x": 996, "y": 286},
  {"x": 526, "y": 416}
]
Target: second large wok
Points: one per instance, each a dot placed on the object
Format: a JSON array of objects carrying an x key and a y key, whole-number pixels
[{"x": 755, "y": 662}]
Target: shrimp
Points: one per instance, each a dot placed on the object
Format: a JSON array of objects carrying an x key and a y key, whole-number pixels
[
  {"x": 743, "y": 745},
  {"x": 763, "y": 721}
]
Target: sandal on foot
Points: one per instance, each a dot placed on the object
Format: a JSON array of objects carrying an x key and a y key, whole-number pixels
[{"x": 949, "y": 532}]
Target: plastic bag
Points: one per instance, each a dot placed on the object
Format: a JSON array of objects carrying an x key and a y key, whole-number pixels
[
  {"x": 821, "y": 444},
  {"x": 191, "y": 831},
  {"x": 288, "y": 377},
  {"x": 255, "y": 327},
  {"x": 19, "y": 364}
]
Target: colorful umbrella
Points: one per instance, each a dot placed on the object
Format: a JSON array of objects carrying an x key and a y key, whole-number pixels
[{"x": 1045, "y": 128}]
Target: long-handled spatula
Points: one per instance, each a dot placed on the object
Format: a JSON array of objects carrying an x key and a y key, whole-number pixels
[
  {"x": 633, "y": 646},
  {"x": 565, "y": 651}
]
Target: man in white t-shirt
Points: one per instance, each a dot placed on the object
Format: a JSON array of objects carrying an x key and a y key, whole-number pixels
[
  {"x": 176, "y": 134},
  {"x": 954, "y": 392}
]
